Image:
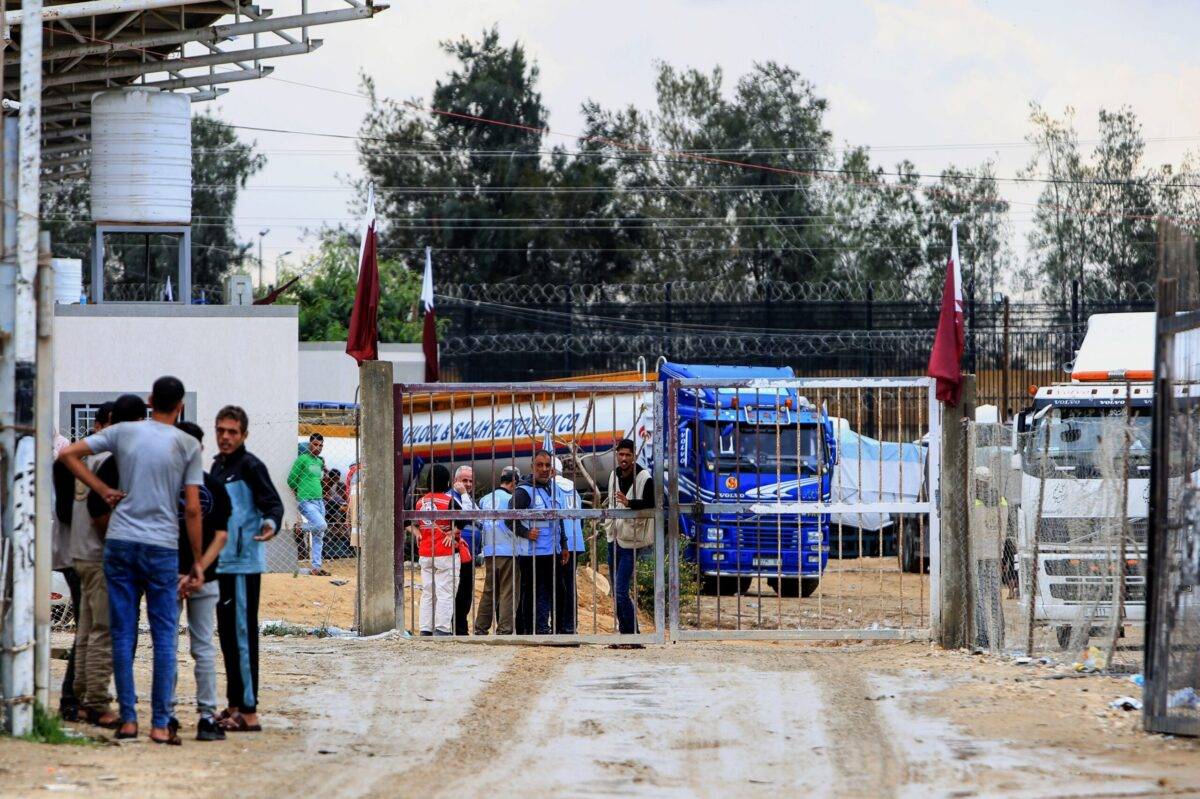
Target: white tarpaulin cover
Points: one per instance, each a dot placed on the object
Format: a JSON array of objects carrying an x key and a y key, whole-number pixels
[{"x": 874, "y": 471}]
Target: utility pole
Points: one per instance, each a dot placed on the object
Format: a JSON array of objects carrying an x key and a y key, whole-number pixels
[
  {"x": 27, "y": 574},
  {"x": 261, "y": 235}
]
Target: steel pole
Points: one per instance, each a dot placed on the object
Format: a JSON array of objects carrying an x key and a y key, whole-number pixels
[{"x": 44, "y": 458}]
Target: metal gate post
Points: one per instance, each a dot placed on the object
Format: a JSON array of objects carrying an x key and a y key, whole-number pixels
[
  {"x": 671, "y": 505},
  {"x": 934, "y": 465},
  {"x": 660, "y": 460}
]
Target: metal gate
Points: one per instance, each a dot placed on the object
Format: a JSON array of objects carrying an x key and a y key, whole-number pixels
[
  {"x": 802, "y": 508},
  {"x": 1172, "y": 656},
  {"x": 783, "y": 508},
  {"x": 497, "y": 428}
]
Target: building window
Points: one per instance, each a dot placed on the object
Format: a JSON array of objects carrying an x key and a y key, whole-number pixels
[{"x": 77, "y": 410}]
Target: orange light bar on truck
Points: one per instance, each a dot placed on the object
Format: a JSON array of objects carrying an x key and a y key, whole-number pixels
[{"x": 1132, "y": 375}]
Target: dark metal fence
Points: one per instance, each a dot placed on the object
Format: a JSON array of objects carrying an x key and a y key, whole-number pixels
[
  {"x": 1172, "y": 690},
  {"x": 532, "y": 332}
]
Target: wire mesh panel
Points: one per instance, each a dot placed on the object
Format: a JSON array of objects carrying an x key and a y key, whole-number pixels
[
  {"x": 521, "y": 515},
  {"x": 1172, "y": 690},
  {"x": 1057, "y": 532},
  {"x": 800, "y": 508}
]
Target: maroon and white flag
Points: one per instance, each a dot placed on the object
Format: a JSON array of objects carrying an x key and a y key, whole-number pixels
[
  {"x": 362, "y": 339},
  {"x": 429, "y": 343},
  {"x": 949, "y": 341}
]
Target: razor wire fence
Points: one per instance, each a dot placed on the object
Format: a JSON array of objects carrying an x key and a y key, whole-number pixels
[{"x": 1056, "y": 527}]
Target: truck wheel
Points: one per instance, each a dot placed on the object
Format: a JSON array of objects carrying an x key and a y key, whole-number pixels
[
  {"x": 809, "y": 585},
  {"x": 1063, "y": 633},
  {"x": 787, "y": 586},
  {"x": 723, "y": 585}
]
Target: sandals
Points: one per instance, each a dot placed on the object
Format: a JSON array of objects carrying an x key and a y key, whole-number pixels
[
  {"x": 320, "y": 573},
  {"x": 125, "y": 736},
  {"x": 172, "y": 738},
  {"x": 93, "y": 717},
  {"x": 236, "y": 722}
]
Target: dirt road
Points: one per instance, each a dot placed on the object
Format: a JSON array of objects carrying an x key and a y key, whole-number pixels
[{"x": 401, "y": 717}]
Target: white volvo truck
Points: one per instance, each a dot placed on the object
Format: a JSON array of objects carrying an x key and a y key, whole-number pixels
[{"x": 1075, "y": 440}]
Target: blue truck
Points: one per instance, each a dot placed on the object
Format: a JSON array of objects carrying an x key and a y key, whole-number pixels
[{"x": 751, "y": 445}]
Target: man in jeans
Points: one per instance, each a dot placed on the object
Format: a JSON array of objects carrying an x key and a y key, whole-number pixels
[
  {"x": 257, "y": 512},
  {"x": 630, "y": 486},
  {"x": 141, "y": 550},
  {"x": 202, "y": 601},
  {"x": 305, "y": 479}
]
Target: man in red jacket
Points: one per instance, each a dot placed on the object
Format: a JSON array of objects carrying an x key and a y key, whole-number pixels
[{"x": 438, "y": 551}]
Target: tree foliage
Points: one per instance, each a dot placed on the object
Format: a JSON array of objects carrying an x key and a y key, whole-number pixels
[{"x": 325, "y": 295}]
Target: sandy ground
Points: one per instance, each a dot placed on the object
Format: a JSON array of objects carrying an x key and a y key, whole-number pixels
[
  {"x": 311, "y": 601},
  {"x": 391, "y": 717}
]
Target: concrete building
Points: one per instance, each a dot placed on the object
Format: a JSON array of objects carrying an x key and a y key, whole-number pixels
[
  {"x": 328, "y": 374},
  {"x": 224, "y": 354}
]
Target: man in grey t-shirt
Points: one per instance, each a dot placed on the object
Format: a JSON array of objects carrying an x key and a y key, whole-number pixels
[{"x": 155, "y": 461}]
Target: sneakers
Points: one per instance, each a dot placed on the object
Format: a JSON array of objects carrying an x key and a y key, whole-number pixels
[{"x": 209, "y": 730}]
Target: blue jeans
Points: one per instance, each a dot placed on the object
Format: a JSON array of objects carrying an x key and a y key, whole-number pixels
[
  {"x": 621, "y": 564},
  {"x": 133, "y": 570},
  {"x": 313, "y": 511}
]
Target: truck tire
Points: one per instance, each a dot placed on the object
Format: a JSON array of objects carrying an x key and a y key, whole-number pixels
[
  {"x": 1063, "y": 633},
  {"x": 792, "y": 587},
  {"x": 723, "y": 585}
]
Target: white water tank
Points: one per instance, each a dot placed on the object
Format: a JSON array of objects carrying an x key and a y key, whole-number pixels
[
  {"x": 141, "y": 157},
  {"x": 68, "y": 280}
]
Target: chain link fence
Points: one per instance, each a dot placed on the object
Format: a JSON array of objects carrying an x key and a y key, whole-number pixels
[{"x": 1056, "y": 523}]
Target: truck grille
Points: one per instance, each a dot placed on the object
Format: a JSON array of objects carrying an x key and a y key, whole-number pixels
[
  {"x": 1090, "y": 531},
  {"x": 1096, "y": 592},
  {"x": 767, "y": 538}
]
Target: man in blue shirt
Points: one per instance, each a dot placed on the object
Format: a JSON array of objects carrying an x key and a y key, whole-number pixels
[
  {"x": 500, "y": 550},
  {"x": 549, "y": 546},
  {"x": 565, "y": 600}
]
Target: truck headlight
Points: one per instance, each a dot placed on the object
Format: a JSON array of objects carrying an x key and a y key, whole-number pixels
[
  {"x": 814, "y": 536},
  {"x": 712, "y": 534}
]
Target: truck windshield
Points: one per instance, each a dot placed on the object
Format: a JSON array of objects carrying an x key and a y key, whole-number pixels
[
  {"x": 750, "y": 447},
  {"x": 1088, "y": 443}
]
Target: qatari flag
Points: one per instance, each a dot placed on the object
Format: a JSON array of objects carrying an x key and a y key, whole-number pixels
[
  {"x": 429, "y": 343},
  {"x": 362, "y": 339},
  {"x": 950, "y": 338}
]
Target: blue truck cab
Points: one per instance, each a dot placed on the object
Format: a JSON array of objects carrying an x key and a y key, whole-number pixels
[{"x": 751, "y": 445}]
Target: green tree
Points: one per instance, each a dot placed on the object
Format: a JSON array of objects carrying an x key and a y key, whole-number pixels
[
  {"x": 221, "y": 165},
  {"x": 325, "y": 295}
]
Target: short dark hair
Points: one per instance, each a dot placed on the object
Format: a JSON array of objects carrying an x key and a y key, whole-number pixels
[
  {"x": 128, "y": 408},
  {"x": 192, "y": 429},
  {"x": 315, "y": 437},
  {"x": 510, "y": 474},
  {"x": 439, "y": 478},
  {"x": 627, "y": 443},
  {"x": 104, "y": 412},
  {"x": 166, "y": 394},
  {"x": 545, "y": 452},
  {"x": 237, "y": 414}
]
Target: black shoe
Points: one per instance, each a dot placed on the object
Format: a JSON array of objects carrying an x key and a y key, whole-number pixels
[
  {"x": 209, "y": 730},
  {"x": 68, "y": 712},
  {"x": 426, "y": 632}
]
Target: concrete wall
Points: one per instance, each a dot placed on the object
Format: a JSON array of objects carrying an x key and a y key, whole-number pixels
[
  {"x": 223, "y": 354},
  {"x": 328, "y": 374}
]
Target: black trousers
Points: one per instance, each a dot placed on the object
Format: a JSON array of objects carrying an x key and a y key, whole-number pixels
[
  {"x": 237, "y": 627},
  {"x": 535, "y": 607},
  {"x": 565, "y": 603},
  {"x": 67, "y": 698},
  {"x": 463, "y": 597}
]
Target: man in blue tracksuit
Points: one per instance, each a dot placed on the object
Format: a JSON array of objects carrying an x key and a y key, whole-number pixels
[
  {"x": 535, "y": 609},
  {"x": 257, "y": 514}
]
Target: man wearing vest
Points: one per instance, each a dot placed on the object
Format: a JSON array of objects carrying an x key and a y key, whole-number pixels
[
  {"x": 438, "y": 551},
  {"x": 548, "y": 543},
  {"x": 566, "y": 600},
  {"x": 629, "y": 486},
  {"x": 501, "y": 585}
]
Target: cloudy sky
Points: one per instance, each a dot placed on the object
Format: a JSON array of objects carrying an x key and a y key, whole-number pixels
[{"x": 936, "y": 81}]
